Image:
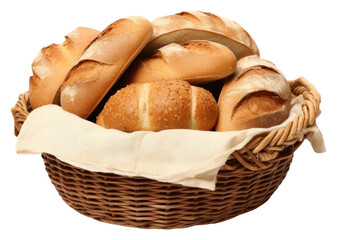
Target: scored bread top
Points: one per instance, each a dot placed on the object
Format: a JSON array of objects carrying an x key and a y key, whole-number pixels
[
  {"x": 275, "y": 82},
  {"x": 196, "y": 61},
  {"x": 159, "y": 105},
  {"x": 102, "y": 63},
  {"x": 194, "y": 25},
  {"x": 257, "y": 95},
  {"x": 111, "y": 45},
  {"x": 52, "y": 64}
]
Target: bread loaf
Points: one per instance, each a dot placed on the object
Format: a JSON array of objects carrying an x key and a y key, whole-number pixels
[
  {"x": 52, "y": 64},
  {"x": 159, "y": 105},
  {"x": 102, "y": 63},
  {"x": 257, "y": 95},
  {"x": 196, "y": 61},
  {"x": 197, "y": 25}
]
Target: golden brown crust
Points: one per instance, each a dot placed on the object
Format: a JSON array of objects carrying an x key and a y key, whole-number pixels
[
  {"x": 102, "y": 63},
  {"x": 158, "y": 106},
  {"x": 255, "y": 96},
  {"x": 169, "y": 105},
  {"x": 205, "y": 109},
  {"x": 260, "y": 106},
  {"x": 129, "y": 120},
  {"x": 52, "y": 64},
  {"x": 196, "y": 61},
  {"x": 196, "y": 25}
]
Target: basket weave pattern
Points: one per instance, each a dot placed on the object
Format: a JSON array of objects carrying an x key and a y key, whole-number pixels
[{"x": 245, "y": 182}]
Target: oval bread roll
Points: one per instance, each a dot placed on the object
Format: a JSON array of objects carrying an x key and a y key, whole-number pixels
[
  {"x": 52, "y": 64},
  {"x": 102, "y": 63},
  {"x": 257, "y": 95},
  {"x": 196, "y": 61},
  {"x": 196, "y": 25},
  {"x": 159, "y": 105}
]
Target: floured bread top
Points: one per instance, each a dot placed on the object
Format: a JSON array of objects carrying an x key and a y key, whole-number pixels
[
  {"x": 203, "y": 21},
  {"x": 256, "y": 95},
  {"x": 53, "y": 63},
  {"x": 195, "y": 61},
  {"x": 272, "y": 80}
]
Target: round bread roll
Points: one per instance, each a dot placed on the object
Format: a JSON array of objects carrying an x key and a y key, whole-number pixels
[
  {"x": 159, "y": 105},
  {"x": 196, "y": 61},
  {"x": 257, "y": 95},
  {"x": 52, "y": 64},
  {"x": 102, "y": 63},
  {"x": 196, "y": 25}
]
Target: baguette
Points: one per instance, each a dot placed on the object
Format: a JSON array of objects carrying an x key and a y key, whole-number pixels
[
  {"x": 196, "y": 25},
  {"x": 102, "y": 63},
  {"x": 196, "y": 61},
  {"x": 52, "y": 64},
  {"x": 159, "y": 105},
  {"x": 257, "y": 95}
]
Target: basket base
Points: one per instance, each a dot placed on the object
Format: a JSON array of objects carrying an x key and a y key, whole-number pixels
[{"x": 145, "y": 203}]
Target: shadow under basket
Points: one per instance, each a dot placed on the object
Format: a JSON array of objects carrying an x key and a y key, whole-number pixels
[{"x": 247, "y": 180}]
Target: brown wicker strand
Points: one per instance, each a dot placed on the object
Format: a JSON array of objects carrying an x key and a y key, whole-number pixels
[
  {"x": 256, "y": 160},
  {"x": 285, "y": 134},
  {"x": 20, "y": 112},
  {"x": 293, "y": 129},
  {"x": 243, "y": 162}
]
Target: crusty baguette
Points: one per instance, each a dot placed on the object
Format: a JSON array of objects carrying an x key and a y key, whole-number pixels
[
  {"x": 257, "y": 95},
  {"x": 52, "y": 64},
  {"x": 196, "y": 25},
  {"x": 196, "y": 61},
  {"x": 102, "y": 63},
  {"x": 159, "y": 105}
]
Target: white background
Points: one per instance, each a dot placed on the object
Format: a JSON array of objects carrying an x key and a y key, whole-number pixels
[{"x": 298, "y": 36}]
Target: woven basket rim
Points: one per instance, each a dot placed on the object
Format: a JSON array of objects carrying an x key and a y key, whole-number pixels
[{"x": 261, "y": 149}]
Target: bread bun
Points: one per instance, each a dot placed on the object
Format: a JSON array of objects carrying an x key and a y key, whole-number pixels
[
  {"x": 159, "y": 105},
  {"x": 257, "y": 95},
  {"x": 102, "y": 63},
  {"x": 196, "y": 61},
  {"x": 197, "y": 25},
  {"x": 52, "y": 64}
]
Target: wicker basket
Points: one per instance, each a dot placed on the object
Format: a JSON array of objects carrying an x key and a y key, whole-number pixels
[{"x": 245, "y": 182}]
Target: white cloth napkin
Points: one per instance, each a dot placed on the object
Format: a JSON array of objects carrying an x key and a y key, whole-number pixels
[{"x": 188, "y": 157}]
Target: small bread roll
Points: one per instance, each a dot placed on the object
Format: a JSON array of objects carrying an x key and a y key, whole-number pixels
[
  {"x": 196, "y": 25},
  {"x": 257, "y": 95},
  {"x": 102, "y": 63},
  {"x": 52, "y": 64},
  {"x": 196, "y": 61},
  {"x": 159, "y": 105}
]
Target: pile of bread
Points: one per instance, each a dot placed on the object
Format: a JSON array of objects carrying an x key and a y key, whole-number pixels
[{"x": 191, "y": 70}]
